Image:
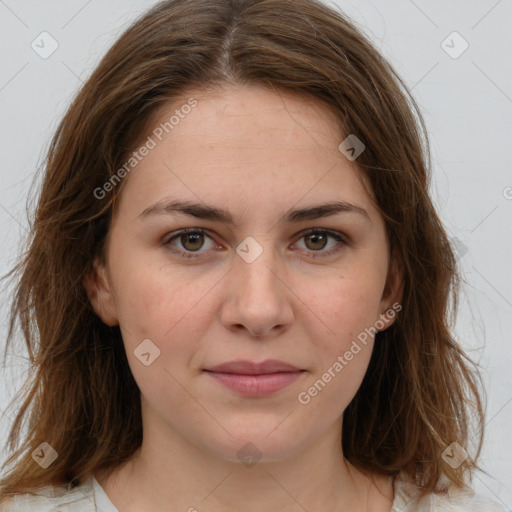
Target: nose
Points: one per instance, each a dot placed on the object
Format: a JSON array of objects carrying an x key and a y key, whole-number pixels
[{"x": 257, "y": 297}]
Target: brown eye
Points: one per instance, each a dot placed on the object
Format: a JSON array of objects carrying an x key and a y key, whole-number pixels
[
  {"x": 192, "y": 241},
  {"x": 317, "y": 241}
]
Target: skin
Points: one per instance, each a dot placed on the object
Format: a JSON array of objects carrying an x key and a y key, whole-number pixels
[{"x": 256, "y": 153}]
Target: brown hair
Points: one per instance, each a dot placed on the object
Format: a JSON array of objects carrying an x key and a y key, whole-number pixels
[{"x": 419, "y": 391}]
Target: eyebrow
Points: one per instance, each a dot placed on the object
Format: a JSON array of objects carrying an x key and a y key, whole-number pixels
[{"x": 207, "y": 212}]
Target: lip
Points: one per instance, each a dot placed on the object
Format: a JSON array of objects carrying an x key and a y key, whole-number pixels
[
  {"x": 255, "y": 379},
  {"x": 244, "y": 367}
]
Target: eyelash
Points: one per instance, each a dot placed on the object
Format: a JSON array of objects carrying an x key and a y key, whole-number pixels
[{"x": 315, "y": 254}]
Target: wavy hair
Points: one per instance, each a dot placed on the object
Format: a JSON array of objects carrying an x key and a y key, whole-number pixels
[{"x": 420, "y": 392}]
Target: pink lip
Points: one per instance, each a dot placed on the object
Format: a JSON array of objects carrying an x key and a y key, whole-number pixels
[
  {"x": 244, "y": 367},
  {"x": 255, "y": 379}
]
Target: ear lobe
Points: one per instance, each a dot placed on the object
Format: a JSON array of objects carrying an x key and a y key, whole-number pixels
[
  {"x": 98, "y": 290},
  {"x": 391, "y": 302}
]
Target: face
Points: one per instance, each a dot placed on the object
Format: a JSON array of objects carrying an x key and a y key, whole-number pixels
[{"x": 263, "y": 272}]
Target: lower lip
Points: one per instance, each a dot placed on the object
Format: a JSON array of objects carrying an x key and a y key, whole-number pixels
[{"x": 256, "y": 385}]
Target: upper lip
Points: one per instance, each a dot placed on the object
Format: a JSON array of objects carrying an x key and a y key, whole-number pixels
[{"x": 242, "y": 367}]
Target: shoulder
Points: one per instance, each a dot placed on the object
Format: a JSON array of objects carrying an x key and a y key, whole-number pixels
[
  {"x": 51, "y": 498},
  {"x": 464, "y": 501},
  {"x": 449, "y": 499}
]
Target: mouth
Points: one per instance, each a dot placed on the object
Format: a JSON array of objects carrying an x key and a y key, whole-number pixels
[
  {"x": 255, "y": 379},
  {"x": 256, "y": 385},
  {"x": 245, "y": 367}
]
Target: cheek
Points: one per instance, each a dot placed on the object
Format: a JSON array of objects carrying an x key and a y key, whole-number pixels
[
  {"x": 348, "y": 312},
  {"x": 346, "y": 309},
  {"x": 167, "y": 308},
  {"x": 154, "y": 307},
  {"x": 346, "y": 304},
  {"x": 149, "y": 298}
]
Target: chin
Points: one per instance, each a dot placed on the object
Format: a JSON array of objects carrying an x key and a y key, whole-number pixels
[{"x": 255, "y": 447}]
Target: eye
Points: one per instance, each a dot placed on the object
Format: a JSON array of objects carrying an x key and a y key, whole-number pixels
[
  {"x": 317, "y": 239},
  {"x": 192, "y": 240}
]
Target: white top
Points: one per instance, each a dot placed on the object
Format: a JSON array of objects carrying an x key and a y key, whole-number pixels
[{"x": 90, "y": 497}]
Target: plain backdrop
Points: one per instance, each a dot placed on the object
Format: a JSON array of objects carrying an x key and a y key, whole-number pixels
[{"x": 455, "y": 58}]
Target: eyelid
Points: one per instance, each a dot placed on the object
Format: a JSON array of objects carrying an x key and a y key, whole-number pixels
[
  {"x": 340, "y": 237},
  {"x": 330, "y": 232},
  {"x": 177, "y": 234}
]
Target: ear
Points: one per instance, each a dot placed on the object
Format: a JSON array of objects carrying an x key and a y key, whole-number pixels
[
  {"x": 98, "y": 290},
  {"x": 391, "y": 302}
]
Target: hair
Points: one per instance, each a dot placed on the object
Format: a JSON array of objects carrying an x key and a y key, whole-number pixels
[{"x": 420, "y": 392}]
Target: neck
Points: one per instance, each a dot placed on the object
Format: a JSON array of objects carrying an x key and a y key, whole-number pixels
[{"x": 168, "y": 473}]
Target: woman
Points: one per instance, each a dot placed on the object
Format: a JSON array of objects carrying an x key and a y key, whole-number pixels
[{"x": 237, "y": 287}]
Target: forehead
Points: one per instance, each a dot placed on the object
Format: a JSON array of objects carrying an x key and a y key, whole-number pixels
[
  {"x": 251, "y": 106},
  {"x": 246, "y": 146}
]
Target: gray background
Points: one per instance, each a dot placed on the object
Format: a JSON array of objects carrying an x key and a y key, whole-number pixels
[{"x": 466, "y": 99}]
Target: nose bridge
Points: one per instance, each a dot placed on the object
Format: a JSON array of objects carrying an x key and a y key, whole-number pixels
[
  {"x": 258, "y": 298},
  {"x": 256, "y": 267}
]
